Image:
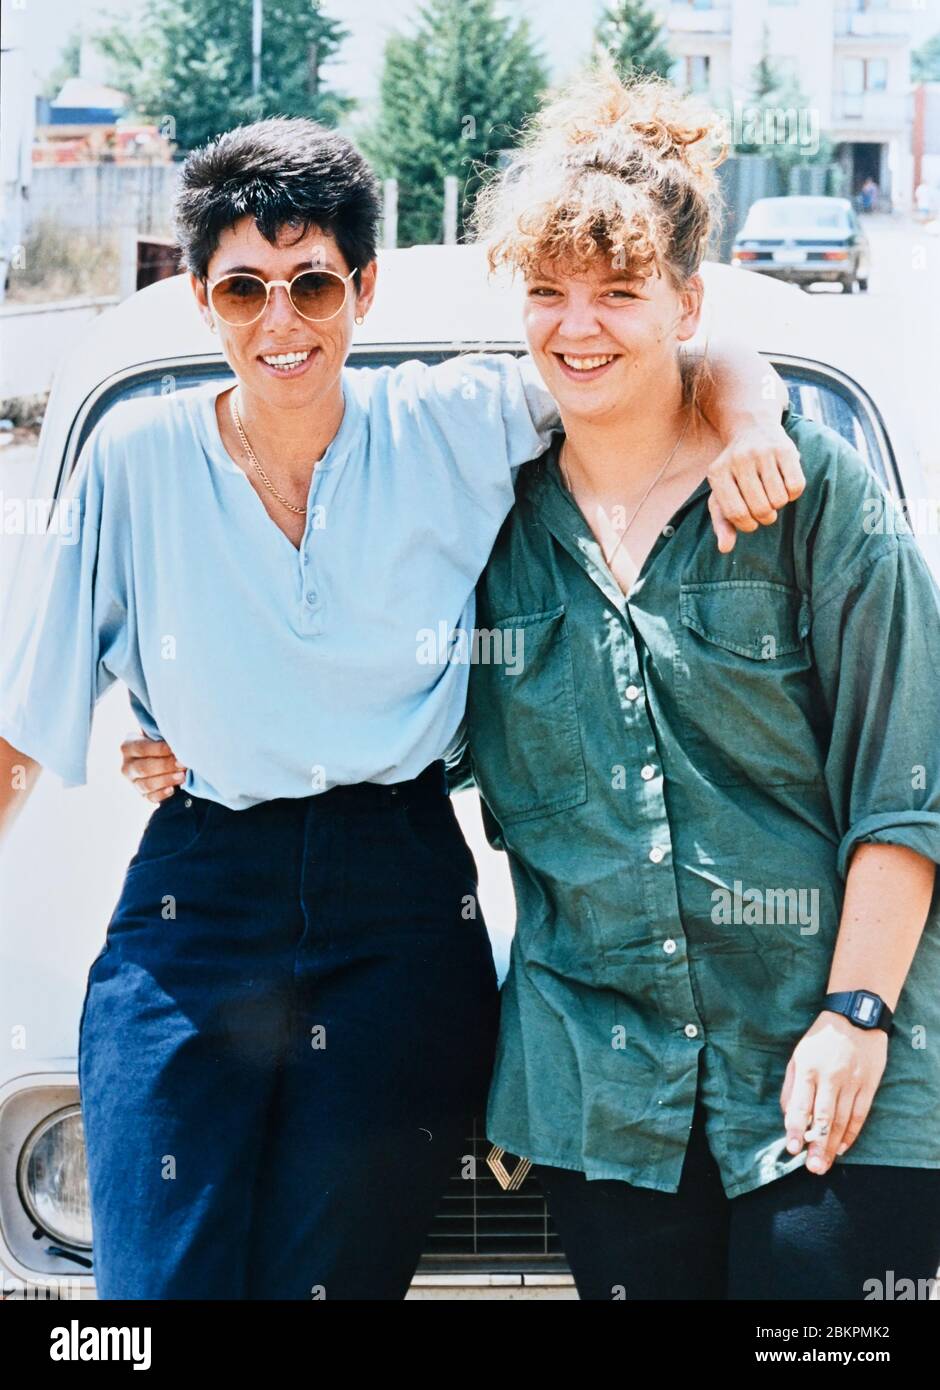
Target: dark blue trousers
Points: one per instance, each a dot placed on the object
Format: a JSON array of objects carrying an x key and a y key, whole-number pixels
[
  {"x": 802, "y": 1236},
  {"x": 283, "y": 1041}
]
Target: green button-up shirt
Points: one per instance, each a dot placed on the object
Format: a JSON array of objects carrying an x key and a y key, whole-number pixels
[{"x": 679, "y": 776}]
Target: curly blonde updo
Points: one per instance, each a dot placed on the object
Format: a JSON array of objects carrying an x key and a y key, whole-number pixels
[{"x": 622, "y": 169}]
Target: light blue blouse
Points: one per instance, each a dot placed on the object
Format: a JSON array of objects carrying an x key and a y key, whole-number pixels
[{"x": 273, "y": 671}]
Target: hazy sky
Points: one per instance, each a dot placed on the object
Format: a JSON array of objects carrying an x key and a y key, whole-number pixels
[{"x": 561, "y": 26}]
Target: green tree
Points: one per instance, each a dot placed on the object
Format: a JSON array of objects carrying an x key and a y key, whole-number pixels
[
  {"x": 774, "y": 121},
  {"x": 452, "y": 96},
  {"x": 188, "y": 63},
  {"x": 632, "y": 35},
  {"x": 766, "y": 80},
  {"x": 925, "y": 61}
]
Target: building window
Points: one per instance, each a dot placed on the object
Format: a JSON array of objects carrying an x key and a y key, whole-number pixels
[
  {"x": 865, "y": 74},
  {"x": 692, "y": 73},
  {"x": 853, "y": 85},
  {"x": 861, "y": 75},
  {"x": 876, "y": 74},
  {"x": 853, "y": 75},
  {"x": 698, "y": 72}
]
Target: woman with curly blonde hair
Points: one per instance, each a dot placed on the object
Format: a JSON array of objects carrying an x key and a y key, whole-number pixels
[{"x": 716, "y": 775}]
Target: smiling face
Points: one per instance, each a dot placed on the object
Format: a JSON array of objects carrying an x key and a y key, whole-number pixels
[
  {"x": 321, "y": 348},
  {"x": 603, "y": 341}
]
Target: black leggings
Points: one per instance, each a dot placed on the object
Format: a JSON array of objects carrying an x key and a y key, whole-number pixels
[{"x": 801, "y": 1236}]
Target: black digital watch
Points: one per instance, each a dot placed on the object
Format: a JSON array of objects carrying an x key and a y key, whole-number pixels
[{"x": 861, "y": 1007}]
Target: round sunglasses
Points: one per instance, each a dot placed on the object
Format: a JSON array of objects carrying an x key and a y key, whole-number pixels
[{"x": 241, "y": 298}]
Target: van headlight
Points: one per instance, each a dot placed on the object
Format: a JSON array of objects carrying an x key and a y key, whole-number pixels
[{"x": 52, "y": 1177}]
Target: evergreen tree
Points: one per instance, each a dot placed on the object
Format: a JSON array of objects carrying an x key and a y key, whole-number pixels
[
  {"x": 452, "y": 96},
  {"x": 925, "y": 61},
  {"x": 771, "y": 124},
  {"x": 632, "y": 35},
  {"x": 766, "y": 80}
]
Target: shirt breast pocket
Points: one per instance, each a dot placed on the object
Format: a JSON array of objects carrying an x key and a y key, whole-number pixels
[
  {"x": 743, "y": 682},
  {"x": 525, "y": 739}
]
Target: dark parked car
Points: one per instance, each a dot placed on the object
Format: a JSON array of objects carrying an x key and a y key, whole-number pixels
[{"x": 803, "y": 240}]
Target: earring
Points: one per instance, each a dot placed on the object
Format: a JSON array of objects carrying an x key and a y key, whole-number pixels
[
  {"x": 360, "y": 318},
  {"x": 212, "y": 327}
]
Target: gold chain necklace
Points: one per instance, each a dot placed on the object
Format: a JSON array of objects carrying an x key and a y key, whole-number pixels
[
  {"x": 300, "y": 511},
  {"x": 608, "y": 559}
]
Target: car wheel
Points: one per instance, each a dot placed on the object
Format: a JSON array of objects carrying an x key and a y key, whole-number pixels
[{"x": 848, "y": 284}]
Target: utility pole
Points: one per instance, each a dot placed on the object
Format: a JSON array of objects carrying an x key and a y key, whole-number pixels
[
  {"x": 450, "y": 209},
  {"x": 313, "y": 69},
  {"x": 257, "y": 18},
  {"x": 390, "y": 217}
]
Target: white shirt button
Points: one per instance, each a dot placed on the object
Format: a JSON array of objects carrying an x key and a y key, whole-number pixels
[
  {"x": 188, "y": 801},
  {"x": 647, "y": 772},
  {"x": 656, "y": 854},
  {"x": 311, "y": 597},
  {"x": 669, "y": 946},
  {"x": 632, "y": 692},
  {"x": 669, "y": 530},
  {"x": 690, "y": 1030}
]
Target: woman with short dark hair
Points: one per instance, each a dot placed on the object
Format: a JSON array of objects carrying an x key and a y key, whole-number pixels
[{"x": 292, "y": 1018}]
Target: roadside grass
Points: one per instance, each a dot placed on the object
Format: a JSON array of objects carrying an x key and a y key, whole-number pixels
[{"x": 59, "y": 263}]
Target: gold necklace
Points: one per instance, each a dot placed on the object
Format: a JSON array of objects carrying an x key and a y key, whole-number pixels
[
  {"x": 300, "y": 511},
  {"x": 608, "y": 559}
]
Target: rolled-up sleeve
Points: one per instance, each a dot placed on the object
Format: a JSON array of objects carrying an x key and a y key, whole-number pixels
[
  {"x": 876, "y": 643},
  {"x": 60, "y": 621}
]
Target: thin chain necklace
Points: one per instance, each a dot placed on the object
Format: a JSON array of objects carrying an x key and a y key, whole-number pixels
[
  {"x": 608, "y": 559},
  {"x": 300, "y": 511}
]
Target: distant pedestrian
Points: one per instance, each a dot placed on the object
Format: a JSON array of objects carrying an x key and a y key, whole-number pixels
[{"x": 870, "y": 195}]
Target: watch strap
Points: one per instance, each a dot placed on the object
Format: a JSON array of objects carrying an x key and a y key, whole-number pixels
[{"x": 843, "y": 1002}]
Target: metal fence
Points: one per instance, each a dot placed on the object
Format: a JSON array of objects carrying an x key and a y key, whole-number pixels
[
  {"x": 745, "y": 178},
  {"x": 100, "y": 198}
]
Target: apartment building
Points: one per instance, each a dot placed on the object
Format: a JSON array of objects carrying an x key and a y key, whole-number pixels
[{"x": 850, "y": 59}]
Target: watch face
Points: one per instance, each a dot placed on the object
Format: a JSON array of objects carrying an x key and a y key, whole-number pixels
[{"x": 865, "y": 1009}]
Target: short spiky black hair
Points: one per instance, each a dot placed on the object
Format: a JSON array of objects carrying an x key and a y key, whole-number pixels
[{"x": 283, "y": 171}]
